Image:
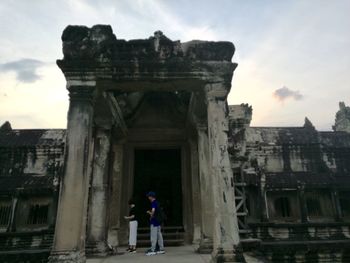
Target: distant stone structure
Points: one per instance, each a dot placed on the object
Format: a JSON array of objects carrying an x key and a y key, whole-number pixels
[
  {"x": 152, "y": 114},
  {"x": 342, "y": 119}
]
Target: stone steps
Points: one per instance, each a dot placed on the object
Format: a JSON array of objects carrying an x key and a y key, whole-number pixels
[
  {"x": 25, "y": 241},
  {"x": 172, "y": 236},
  {"x": 26, "y": 247}
]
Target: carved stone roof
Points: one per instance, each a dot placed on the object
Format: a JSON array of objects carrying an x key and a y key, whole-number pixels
[
  {"x": 95, "y": 54},
  {"x": 281, "y": 135},
  {"x": 310, "y": 180},
  {"x": 30, "y": 160},
  {"x": 100, "y": 44},
  {"x": 338, "y": 139},
  {"x": 31, "y": 137},
  {"x": 26, "y": 184}
]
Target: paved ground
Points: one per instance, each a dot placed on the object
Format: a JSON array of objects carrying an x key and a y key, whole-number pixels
[{"x": 184, "y": 254}]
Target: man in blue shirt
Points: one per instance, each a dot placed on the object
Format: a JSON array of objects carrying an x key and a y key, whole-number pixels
[{"x": 156, "y": 234}]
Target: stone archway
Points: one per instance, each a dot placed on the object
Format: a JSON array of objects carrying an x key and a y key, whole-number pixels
[{"x": 109, "y": 81}]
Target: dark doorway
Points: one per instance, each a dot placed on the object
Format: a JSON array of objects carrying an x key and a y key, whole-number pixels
[{"x": 159, "y": 171}]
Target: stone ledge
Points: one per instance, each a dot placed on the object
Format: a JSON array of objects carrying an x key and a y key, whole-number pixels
[{"x": 67, "y": 257}]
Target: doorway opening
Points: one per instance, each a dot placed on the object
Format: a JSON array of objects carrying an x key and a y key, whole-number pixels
[{"x": 159, "y": 170}]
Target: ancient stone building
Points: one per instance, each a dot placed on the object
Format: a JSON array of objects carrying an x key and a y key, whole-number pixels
[
  {"x": 152, "y": 114},
  {"x": 295, "y": 182},
  {"x": 31, "y": 163}
]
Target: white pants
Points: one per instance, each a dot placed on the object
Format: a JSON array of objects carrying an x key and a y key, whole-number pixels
[{"x": 132, "y": 233}]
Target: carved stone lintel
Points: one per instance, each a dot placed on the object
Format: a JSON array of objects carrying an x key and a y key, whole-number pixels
[{"x": 67, "y": 257}]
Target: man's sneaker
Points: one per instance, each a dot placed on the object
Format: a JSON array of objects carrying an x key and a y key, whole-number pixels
[
  {"x": 150, "y": 252},
  {"x": 160, "y": 252},
  {"x": 132, "y": 251}
]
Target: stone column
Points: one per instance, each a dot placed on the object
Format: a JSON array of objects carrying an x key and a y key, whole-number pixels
[
  {"x": 226, "y": 233},
  {"x": 302, "y": 203},
  {"x": 12, "y": 224},
  {"x": 97, "y": 222},
  {"x": 262, "y": 202},
  {"x": 206, "y": 193},
  {"x": 69, "y": 240},
  {"x": 196, "y": 205},
  {"x": 115, "y": 204},
  {"x": 336, "y": 205}
]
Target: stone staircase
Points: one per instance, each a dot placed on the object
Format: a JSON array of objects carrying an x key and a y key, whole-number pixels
[{"x": 172, "y": 235}]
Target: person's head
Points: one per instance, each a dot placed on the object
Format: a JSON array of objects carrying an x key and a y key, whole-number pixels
[
  {"x": 131, "y": 202},
  {"x": 151, "y": 196}
]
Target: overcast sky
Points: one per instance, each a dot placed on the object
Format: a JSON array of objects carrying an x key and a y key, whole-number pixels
[{"x": 293, "y": 56}]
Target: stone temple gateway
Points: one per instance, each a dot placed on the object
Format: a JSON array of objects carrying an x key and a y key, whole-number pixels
[
  {"x": 152, "y": 114},
  {"x": 130, "y": 100}
]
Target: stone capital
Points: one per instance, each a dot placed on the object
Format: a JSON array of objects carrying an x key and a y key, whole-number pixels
[
  {"x": 202, "y": 128},
  {"x": 82, "y": 93},
  {"x": 216, "y": 91},
  {"x": 103, "y": 124}
]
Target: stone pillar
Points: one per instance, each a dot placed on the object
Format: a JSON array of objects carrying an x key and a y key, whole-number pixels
[
  {"x": 97, "y": 222},
  {"x": 262, "y": 202},
  {"x": 196, "y": 205},
  {"x": 302, "y": 203},
  {"x": 69, "y": 240},
  {"x": 336, "y": 205},
  {"x": 226, "y": 232},
  {"x": 206, "y": 193},
  {"x": 115, "y": 204},
  {"x": 12, "y": 224}
]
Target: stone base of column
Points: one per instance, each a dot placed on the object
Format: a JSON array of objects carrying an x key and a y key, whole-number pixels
[
  {"x": 97, "y": 249},
  {"x": 67, "y": 257},
  {"x": 228, "y": 255},
  {"x": 205, "y": 246}
]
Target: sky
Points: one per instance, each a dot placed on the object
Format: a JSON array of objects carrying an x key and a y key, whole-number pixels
[{"x": 293, "y": 55}]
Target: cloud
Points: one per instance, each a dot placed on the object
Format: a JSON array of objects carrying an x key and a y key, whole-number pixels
[
  {"x": 25, "y": 69},
  {"x": 286, "y": 93}
]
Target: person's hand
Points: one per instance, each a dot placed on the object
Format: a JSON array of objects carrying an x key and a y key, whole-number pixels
[{"x": 125, "y": 217}]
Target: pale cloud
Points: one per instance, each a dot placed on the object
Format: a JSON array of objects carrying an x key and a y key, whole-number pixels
[
  {"x": 285, "y": 93},
  {"x": 42, "y": 104},
  {"x": 306, "y": 50},
  {"x": 25, "y": 69}
]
